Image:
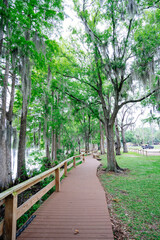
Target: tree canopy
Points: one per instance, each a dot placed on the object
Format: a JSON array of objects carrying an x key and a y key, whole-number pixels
[{"x": 61, "y": 94}]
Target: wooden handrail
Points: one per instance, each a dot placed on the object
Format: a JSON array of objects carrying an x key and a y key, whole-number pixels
[
  {"x": 28, "y": 183},
  {"x": 9, "y": 197},
  {"x": 144, "y": 152}
]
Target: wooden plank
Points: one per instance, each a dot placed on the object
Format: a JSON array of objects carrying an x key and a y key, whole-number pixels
[
  {"x": 69, "y": 159},
  {"x": 57, "y": 179},
  {"x": 74, "y": 162},
  {"x": 1, "y": 227},
  {"x": 10, "y": 218},
  {"x": 32, "y": 183},
  {"x": 2, "y": 202},
  {"x": 30, "y": 202},
  {"x": 78, "y": 161},
  {"x": 65, "y": 169},
  {"x": 70, "y": 165}
]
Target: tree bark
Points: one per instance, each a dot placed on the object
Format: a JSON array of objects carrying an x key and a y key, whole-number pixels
[
  {"x": 125, "y": 149},
  {"x": 118, "y": 142},
  {"x": 54, "y": 146},
  {"x": 111, "y": 161},
  {"x": 86, "y": 143},
  {"x": 87, "y": 134},
  {"x": 22, "y": 146},
  {"x": 3, "y": 157},
  {"x": 46, "y": 138},
  {"x": 79, "y": 146},
  {"x": 39, "y": 135},
  {"x": 14, "y": 145},
  {"x": 2, "y": 26},
  {"x": 9, "y": 115},
  {"x": 34, "y": 138},
  {"x": 109, "y": 122},
  {"x": 59, "y": 140},
  {"x": 102, "y": 148},
  {"x": 26, "y": 90},
  {"x": 8, "y": 153}
]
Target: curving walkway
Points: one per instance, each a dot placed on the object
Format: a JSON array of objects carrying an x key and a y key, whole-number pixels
[{"x": 78, "y": 211}]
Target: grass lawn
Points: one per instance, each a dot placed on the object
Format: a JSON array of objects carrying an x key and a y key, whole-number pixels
[{"x": 135, "y": 195}]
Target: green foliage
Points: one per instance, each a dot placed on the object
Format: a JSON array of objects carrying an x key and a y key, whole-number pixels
[
  {"x": 130, "y": 137},
  {"x": 142, "y": 135}
]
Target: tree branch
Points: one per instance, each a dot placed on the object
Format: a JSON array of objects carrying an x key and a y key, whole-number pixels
[
  {"x": 140, "y": 99},
  {"x": 122, "y": 81},
  {"x": 128, "y": 33},
  {"x": 83, "y": 102},
  {"x": 80, "y": 80}
]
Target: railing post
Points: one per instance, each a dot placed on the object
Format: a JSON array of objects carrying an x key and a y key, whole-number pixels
[
  {"x": 10, "y": 218},
  {"x": 83, "y": 158},
  {"x": 57, "y": 179},
  {"x": 65, "y": 168},
  {"x": 74, "y": 162}
]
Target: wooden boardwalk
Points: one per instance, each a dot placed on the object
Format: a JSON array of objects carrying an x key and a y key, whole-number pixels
[{"x": 78, "y": 211}]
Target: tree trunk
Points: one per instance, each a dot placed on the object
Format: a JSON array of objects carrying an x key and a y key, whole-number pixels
[
  {"x": 46, "y": 140},
  {"x": 109, "y": 122},
  {"x": 22, "y": 146},
  {"x": 54, "y": 146},
  {"x": 8, "y": 153},
  {"x": 87, "y": 134},
  {"x": 118, "y": 142},
  {"x": 26, "y": 88},
  {"x": 112, "y": 164},
  {"x": 14, "y": 146},
  {"x": 34, "y": 138},
  {"x": 79, "y": 145},
  {"x": 9, "y": 115},
  {"x": 3, "y": 157},
  {"x": 59, "y": 141},
  {"x": 125, "y": 149},
  {"x": 102, "y": 149},
  {"x": 2, "y": 24},
  {"x": 86, "y": 143},
  {"x": 39, "y": 135}
]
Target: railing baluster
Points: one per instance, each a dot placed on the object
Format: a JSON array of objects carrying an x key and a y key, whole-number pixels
[
  {"x": 57, "y": 179},
  {"x": 74, "y": 162},
  {"x": 65, "y": 168},
  {"x": 83, "y": 158},
  {"x": 10, "y": 217}
]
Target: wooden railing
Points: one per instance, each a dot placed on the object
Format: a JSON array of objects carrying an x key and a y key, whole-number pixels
[
  {"x": 145, "y": 152},
  {"x": 9, "y": 197},
  {"x": 140, "y": 151}
]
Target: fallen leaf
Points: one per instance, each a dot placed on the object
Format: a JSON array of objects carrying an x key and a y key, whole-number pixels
[
  {"x": 116, "y": 200},
  {"x": 76, "y": 231}
]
